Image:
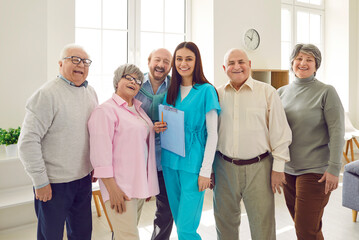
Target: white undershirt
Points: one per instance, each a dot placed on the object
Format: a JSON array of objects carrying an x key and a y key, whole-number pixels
[
  {"x": 212, "y": 136},
  {"x": 133, "y": 109}
]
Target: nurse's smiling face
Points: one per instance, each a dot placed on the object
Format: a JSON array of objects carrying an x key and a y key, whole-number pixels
[{"x": 185, "y": 62}]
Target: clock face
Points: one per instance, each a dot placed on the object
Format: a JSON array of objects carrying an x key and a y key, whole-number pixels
[{"x": 251, "y": 39}]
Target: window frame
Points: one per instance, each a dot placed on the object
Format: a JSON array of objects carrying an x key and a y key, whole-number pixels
[
  {"x": 314, "y": 11},
  {"x": 309, "y": 5},
  {"x": 133, "y": 47},
  {"x": 135, "y": 50},
  {"x": 294, "y": 6}
]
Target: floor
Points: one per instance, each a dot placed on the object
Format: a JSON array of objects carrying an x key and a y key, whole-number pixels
[{"x": 337, "y": 222}]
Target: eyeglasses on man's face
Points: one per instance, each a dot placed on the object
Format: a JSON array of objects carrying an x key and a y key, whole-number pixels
[
  {"x": 76, "y": 60},
  {"x": 130, "y": 78}
]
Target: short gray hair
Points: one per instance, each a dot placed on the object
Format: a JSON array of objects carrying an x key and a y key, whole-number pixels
[
  {"x": 126, "y": 69},
  {"x": 307, "y": 49},
  {"x": 67, "y": 47},
  {"x": 225, "y": 60}
]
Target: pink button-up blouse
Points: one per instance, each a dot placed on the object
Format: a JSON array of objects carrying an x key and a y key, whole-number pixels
[{"x": 117, "y": 148}]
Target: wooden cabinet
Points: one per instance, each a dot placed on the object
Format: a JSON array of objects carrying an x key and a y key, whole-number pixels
[{"x": 276, "y": 78}]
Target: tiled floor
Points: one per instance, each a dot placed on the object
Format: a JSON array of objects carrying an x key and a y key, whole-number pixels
[{"x": 337, "y": 223}]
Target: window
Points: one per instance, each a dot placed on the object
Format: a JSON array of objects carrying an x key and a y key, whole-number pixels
[
  {"x": 302, "y": 22},
  {"x": 115, "y": 32},
  {"x": 313, "y": 2},
  {"x": 163, "y": 24},
  {"x": 287, "y": 36}
]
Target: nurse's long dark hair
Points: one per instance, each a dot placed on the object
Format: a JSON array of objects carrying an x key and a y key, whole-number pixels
[{"x": 176, "y": 78}]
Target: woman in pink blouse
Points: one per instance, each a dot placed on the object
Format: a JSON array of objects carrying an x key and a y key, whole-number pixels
[{"x": 122, "y": 149}]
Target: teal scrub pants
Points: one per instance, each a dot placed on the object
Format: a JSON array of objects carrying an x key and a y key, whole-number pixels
[{"x": 185, "y": 200}]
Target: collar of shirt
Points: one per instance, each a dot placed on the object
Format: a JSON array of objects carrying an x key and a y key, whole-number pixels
[
  {"x": 122, "y": 102},
  {"x": 148, "y": 86},
  {"x": 84, "y": 84},
  {"x": 249, "y": 82}
]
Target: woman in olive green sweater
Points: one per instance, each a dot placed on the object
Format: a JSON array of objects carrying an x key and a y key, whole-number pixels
[{"x": 316, "y": 117}]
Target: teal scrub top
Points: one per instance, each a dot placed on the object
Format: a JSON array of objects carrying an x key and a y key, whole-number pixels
[{"x": 200, "y": 100}]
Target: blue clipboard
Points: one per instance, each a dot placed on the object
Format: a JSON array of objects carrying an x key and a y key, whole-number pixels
[{"x": 173, "y": 139}]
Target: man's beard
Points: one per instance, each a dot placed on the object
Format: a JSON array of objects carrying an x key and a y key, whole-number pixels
[{"x": 161, "y": 71}]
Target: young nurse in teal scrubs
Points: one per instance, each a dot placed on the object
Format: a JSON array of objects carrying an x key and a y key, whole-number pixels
[{"x": 187, "y": 177}]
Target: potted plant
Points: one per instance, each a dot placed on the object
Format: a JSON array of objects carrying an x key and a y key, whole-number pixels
[{"x": 9, "y": 139}]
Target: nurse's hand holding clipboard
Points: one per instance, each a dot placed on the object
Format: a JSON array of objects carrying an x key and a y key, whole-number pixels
[{"x": 203, "y": 182}]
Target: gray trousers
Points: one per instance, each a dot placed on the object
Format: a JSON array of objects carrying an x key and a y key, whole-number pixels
[{"x": 250, "y": 183}]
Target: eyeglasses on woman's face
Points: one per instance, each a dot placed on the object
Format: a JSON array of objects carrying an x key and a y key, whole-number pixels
[{"x": 130, "y": 78}]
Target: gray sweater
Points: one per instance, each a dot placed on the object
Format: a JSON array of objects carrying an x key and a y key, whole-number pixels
[
  {"x": 316, "y": 117},
  {"x": 54, "y": 142}
]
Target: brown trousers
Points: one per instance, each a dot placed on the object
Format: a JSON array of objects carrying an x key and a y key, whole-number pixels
[{"x": 305, "y": 199}]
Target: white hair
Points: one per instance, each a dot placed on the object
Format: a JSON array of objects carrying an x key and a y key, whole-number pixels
[
  {"x": 67, "y": 47},
  {"x": 225, "y": 60}
]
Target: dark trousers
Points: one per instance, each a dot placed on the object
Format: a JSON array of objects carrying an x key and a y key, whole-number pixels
[
  {"x": 163, "y": 219},
  {"x": 305, "y": 199},
  {"x": 70, "y": 204}
]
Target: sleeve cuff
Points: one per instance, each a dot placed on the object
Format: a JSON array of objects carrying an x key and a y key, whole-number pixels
[
  {"x": 205, "y": 173},
  {"x": 40, "y": 181},
  {"x": 334, "y": 170},
  {"x": 41, "y": 186},
  {"x": 103, "y": 172},
  {"x": 278, "y": 165}
]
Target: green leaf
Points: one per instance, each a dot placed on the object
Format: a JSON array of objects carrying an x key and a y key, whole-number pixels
[{"x": 9, "y": 136}]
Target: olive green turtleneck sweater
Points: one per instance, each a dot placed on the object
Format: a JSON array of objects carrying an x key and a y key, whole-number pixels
[{"x": 316, "y": 117}]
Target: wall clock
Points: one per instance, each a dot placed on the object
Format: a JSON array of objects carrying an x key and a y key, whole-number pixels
[{"x": 251, "y": 39}]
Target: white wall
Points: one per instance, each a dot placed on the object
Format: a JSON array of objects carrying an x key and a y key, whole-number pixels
[
  {"x": 23, "y": 56},
  {"x": 354, "y": 100},
  {"x": 218, "y": 26},
  {"x": 231, "y": 20},
  {"x": 354, "y": 62},
  {"x": 60, "y": 31},
  {"x": 336, "y": 56},
  {"x": 202, "y": 33},
  {"x": 342, "y": 53},
  {"x": 32, "y": 33}
]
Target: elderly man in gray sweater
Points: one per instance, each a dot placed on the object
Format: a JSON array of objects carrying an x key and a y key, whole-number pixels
[{"x": 54, "y": 148}]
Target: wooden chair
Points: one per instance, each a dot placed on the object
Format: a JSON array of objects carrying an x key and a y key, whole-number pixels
[
  {"x": 350, "y": 136},
  {"x": 97, "y": 197}
]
